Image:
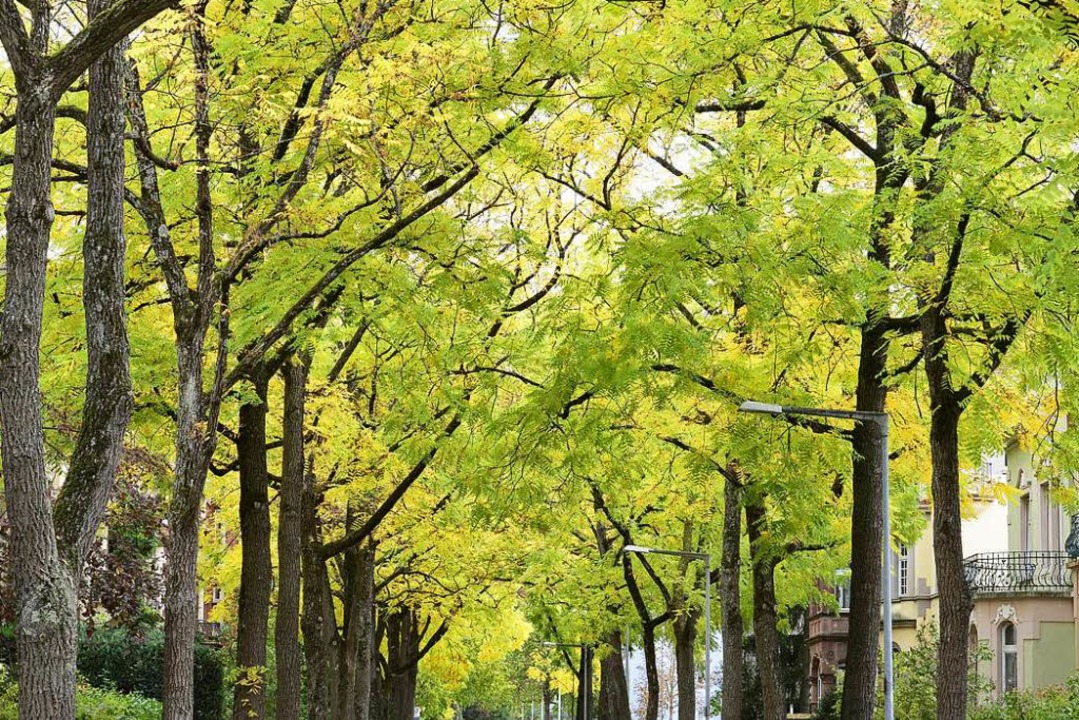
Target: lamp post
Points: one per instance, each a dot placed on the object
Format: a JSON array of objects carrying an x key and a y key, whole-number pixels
[
  {"x": 880, "y": 421},
  {"x": 586, "y": 675},
  {"x": 707, "y": 611}
]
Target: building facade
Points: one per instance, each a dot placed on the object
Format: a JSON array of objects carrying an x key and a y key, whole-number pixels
[
  {"x": 1025, "y": 588},
  {"x": 1026, "y": 603}
]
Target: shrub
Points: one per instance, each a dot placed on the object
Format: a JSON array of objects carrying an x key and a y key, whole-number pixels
[
  {"x": 828, "y": 707},
  {"x": 1060, "y": 702},
  {"x": 91, "y": 703},
  {"x": 7, "y": 644},
  {"x": 9, "y": 695},
  {"x": 115, "y": 659}
]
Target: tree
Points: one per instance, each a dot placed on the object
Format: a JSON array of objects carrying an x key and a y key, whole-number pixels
[{"x": 49, "y": 543}]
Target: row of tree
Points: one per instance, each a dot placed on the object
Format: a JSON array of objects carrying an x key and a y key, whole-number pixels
[{"x": 471, "y": 293}]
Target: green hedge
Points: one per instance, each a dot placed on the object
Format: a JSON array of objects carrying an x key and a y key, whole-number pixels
[
  {"x": 114, "y": 660},
  {"x": 91, "y": 703}
]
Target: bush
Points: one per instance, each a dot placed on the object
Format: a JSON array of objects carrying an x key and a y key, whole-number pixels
[
  {"x": 828, "y": 707},
  {"x": 7, "y": 644},
  {"x": 90, "y": 703},
  {"x": 114, "y": 659},
  {"x": 1060, "y": 702},
  {"x": 93, "y": 703}
]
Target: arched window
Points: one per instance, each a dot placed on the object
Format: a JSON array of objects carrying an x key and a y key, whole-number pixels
[
  {"x": 1009, "y": 658},
  {"x": 818, "y": 680}
]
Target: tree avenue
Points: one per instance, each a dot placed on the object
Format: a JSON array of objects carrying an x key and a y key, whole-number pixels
[{"x": 355, "y": 355}]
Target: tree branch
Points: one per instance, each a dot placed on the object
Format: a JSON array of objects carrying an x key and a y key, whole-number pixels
[{"x": 108, "y": 27}]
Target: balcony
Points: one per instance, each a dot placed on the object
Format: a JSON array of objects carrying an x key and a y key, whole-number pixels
[{"x": 1018, "y": 573}]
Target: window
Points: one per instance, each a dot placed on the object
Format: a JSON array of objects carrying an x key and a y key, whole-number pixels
[
  {"x": 842, "y": 589},
  {"x": 1009, "y": 658},
  {"x": 903, "y": 585},
  {"x": 818, "y": 680},
  {"x": 1051, "y": 539},
  {"x": 1024, "y": 523},
  {"x": 216, "y": 595}
]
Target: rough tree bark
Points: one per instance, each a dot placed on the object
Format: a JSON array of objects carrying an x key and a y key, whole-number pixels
[
  {"x": 765, "y": 620},
  {"x": 613, "y": 689},
  {"x": 685, "y": 641},
  {"x": 48, "y": 544},
  {"x": 363, "y": 629},
  {"x": 686, "y": 617},
  {"x": 648, "y": 623},
  {"x": 401, "y": 672},
  {"x": 319, "y": 633},
  {"x": 585, "y": 708},
  {"x": 290, "y": 498},
  {"x": 256, "y": 566},
  {"x": 955, "y": 598},
  {"x": 866, "y": 526},
  {"x": 355, "y": 666},
  {"x": 730, "y": 592},
  {"x": 197, "y": 407},
  {"x": 651, "y": 671}
]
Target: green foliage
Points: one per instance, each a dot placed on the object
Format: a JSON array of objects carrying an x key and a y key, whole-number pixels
[
  {"x": 916, "y": 678},
  {"x": 829, "y": 705},
  {"x": 670, "y": 295},
  {"x": 9, "y": 693},
  {"x": 1060, "y": 702},
  {"x": 91, "y": 703},
  {"x": 101, "y": 704},
  {"x": 114, "y": 659}
]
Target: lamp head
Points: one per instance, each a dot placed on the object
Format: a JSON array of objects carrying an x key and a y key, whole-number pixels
[
  {"x": 637, "y": 549},
  {"x": 750, "y": 406}
]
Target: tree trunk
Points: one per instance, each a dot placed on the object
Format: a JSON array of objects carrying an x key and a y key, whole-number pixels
[
  {"x": 651, "y": 673},
  {"x": 47, "y": 549},
  {"x": 357, "y": 651},
  {"x": 364, "y": 632},
  {"x": 585, "y": 709},
  {"x": 193, "y": 452},
  {"x": 648, "y": 638},
  {"x": 45, "y": 588},
  {"x": 765, "y": 620},
  {"x": 731, "y": 601},
  {"x": 399, "y": 680},
  {"x": 289, "y": 546},
  {"x": 197, "y": 410},
  {"x": 685, "y": 641},
  {"x": 318, "y": 616},
  {"x": 92, "y": 473},
  {"x": 955, "y": 598},
  {"x": 859, "y": 689},
  {"x": 946, "y": 408},
  {"x": 256, "y": 568},
  {"x": 613, "y": 690}
]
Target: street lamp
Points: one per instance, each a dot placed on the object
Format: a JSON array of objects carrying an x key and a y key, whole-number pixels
[
  {"x": 586, "y": 674},
  {"x": 880, "y": 421},
  {"x": 707, "y": 611}
]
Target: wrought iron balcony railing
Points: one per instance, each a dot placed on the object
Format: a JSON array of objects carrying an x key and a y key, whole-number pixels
[{"x": 1018, "y": 572}]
